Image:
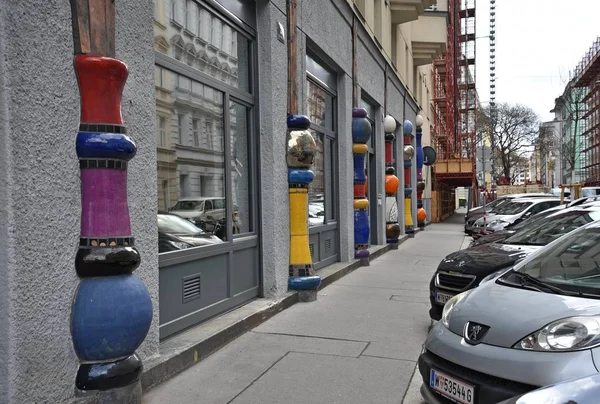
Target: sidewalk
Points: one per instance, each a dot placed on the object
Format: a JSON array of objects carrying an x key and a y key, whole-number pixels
[{"x": 358, "y": 343}]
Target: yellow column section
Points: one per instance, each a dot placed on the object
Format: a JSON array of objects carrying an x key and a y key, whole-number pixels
[
  {"x": 407, "y": 213},
  {"x": 299, "y": 251}
]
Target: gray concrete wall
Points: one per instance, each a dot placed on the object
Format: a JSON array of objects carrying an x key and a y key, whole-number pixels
[
  {"x": 6, "y": 223},
  {"x": 346, "y": 168},
  {"x": 273, "y": 129},
  {"x": 371, "y": 70},
  {"x": 40, "y": 202}
]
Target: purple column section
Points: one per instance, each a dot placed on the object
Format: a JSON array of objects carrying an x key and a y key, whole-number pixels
[{"x": 104, "y": 211}]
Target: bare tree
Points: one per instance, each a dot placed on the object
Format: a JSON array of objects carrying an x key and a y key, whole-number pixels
[
  {"x": 514, "y": 133},
  {"x": 553, "y": 143}
]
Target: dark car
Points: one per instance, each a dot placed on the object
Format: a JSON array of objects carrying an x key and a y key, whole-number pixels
[
  {"x": 176, "y": 233},
  {"x": 582, "y": 390},
  {"x": 466, "y": 269}
]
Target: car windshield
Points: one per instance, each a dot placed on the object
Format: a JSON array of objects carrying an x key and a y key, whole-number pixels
[
  {"x": 590, "y": 192},
  {"x": 176, "y": 225},
  {"x": 546, "y": 231},
  {"x": 513, "y": 208},
  {"x": 187, "y": 205},
  {"x": 533, "y": 220},
  {"x": 572, "y": 264}
]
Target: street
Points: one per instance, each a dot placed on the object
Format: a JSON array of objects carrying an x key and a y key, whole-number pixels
[{"x": 358, "y": 343}]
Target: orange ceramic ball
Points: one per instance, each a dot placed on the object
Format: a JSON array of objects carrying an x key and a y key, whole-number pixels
[
  {"x": 421, "y": 215},
  {"x": 391, "y": 184}
]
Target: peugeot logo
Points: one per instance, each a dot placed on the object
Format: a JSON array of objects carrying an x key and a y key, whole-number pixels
[{"x": 474, "y": 332}]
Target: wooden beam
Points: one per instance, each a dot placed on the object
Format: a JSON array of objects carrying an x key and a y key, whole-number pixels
[
  {"x": 355, "y": 103},
  {"x": 292, "y": 45},
  {"x": 93, "y": 27}
]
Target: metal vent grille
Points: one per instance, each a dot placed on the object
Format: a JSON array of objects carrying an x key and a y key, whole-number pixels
[
  {"x": 191, "y": 288},
  {"x": 328, "y": 245},
  {"x": 312, "y": 249}
]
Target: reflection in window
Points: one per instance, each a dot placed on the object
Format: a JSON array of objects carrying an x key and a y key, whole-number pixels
[
  {"x": 240, "y": 159},
  {"x": 316, "y": 189},
  {"x": 209, "y": 44},
  {"x": 190, "y": 177},
  {"x": 320, "y": 106}
]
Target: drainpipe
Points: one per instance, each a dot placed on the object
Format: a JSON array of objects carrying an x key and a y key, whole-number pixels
[{"x": 111, "y": 311}]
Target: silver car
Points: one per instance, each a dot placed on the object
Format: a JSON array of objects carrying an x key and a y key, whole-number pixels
[{"x": 535, "y": 324}]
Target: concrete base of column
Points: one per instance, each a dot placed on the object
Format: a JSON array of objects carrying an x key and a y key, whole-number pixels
[
  {"x": 131, "y": 394},
  {"x": 307, "y": 296},
  {"x": 364, "y": 262}
]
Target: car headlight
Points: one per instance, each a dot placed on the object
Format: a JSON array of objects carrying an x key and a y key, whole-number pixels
[
  {"x": 449, "y": 306},
  {"x": 179, "y": 244},
  {"x": 568, "y": 334}
]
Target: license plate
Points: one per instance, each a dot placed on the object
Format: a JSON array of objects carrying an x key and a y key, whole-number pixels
[
  {"x": 450, "y": 387},
  {"x": 442, "y": 298}
]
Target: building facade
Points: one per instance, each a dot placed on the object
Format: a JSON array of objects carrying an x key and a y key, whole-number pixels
[{"x": 208, "y": 191}]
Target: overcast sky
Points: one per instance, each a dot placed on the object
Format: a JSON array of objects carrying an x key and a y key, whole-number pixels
[{"x": 537, "y": 43}]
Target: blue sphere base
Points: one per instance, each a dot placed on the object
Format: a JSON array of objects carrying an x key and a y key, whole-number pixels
[
  {"x": 304, "y": 282},
  {"x": 391, "y": 240}
]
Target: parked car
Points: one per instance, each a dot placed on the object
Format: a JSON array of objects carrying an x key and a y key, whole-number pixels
[
  {"x": 177, "y": 233},
  {"x": 513, "y": 212},
  {"x": 475, "y": 213},
  {"x": 466, "y": 269},
  {"x": 205, "y": 212},
  {"x": 485, "y": 237},
  {"x": 580, "y": 390},
  {"x": 533, "y": 325}
]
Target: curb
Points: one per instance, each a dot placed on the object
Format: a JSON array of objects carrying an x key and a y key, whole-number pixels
[{"x": 183, "y": 351}]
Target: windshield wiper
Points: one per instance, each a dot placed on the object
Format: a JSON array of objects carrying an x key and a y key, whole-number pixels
[{"x": 528, "y": 279}]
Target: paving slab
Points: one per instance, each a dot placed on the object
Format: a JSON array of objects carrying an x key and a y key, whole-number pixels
[
  {"x": 307, "y": 378},
  {"x": 358, "y": 343},
  {"x": 223, "y": 375}
]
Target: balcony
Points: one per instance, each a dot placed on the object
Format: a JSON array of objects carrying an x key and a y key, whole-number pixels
[
  {"x": 408, "y": 10},
  {"x": 429, "y": 36}
]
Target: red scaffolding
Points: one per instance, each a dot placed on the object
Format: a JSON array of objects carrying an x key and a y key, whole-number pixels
[
  {"x": 587, "y": 76},
  {"x": 455, "y": 101}
]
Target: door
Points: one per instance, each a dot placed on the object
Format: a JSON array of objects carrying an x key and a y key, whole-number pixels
[{"x": 322, "y": 192}]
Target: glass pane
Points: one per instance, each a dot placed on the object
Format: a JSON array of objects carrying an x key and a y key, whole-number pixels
[
  {"x": 316, "y": 189},
  {"x": 191, "y": 175},
  {"x": 240, "y": 168},
  {"x": 329, "y": 170},
  {"x": 319, "y": 106},
  {"x": 209, "y": 44}
]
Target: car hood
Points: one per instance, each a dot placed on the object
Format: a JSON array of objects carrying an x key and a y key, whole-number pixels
[
  {"x": 494, "y": 237},
  {"x": 485, "y": 259},
  {"x": 199, "y": 240},
  {"x": 186, "y": 214},
  {"x": 513, "y": 313}
]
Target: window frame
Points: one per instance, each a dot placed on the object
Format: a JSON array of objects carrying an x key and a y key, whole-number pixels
[{"x": 250, "y": 100}]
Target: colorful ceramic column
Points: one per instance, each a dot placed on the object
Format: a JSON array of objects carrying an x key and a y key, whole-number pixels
[
  {"x": 421, "y": 214},
  {"x": 111, "y": 311},
  {"x": 392, "y": 228},
  {"x": 361, "y": 133},
  {"x": 301, "y": 150},
  {"x": 409, "y": 153}
]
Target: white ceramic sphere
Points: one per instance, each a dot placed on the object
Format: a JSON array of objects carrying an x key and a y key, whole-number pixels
[
  {"x": 389, "y": 124},
  {"x": 419, "y": 121}
]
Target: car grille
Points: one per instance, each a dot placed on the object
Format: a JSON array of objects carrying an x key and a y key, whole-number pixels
[{"x": 457, "y": 282}]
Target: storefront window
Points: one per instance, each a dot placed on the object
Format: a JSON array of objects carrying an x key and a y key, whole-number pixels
[
  {"x": 316, "y": 190},
  {"x": 321, "y": 192},
  {"x": 205, "y": 173}
]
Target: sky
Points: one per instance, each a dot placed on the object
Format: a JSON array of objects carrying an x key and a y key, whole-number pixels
[{"x": 537, "y": 43}]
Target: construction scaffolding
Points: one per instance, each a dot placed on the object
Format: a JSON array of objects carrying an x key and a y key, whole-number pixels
[
  {"x": 586, "y": 79},
  {"x": 455, "y": 104}
]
